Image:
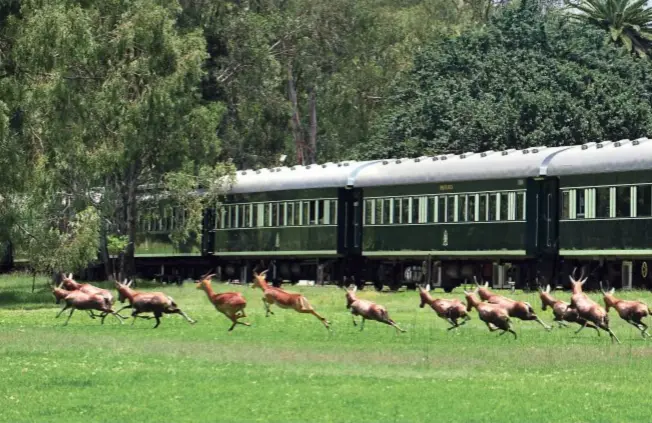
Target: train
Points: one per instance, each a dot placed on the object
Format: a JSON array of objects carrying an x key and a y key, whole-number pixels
[{"x": 517, "y": 218}]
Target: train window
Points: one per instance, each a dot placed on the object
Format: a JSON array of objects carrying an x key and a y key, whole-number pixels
[
  {"x": 387, "y": 211},
  {"x": 260, "y": 214},
  {"x": 379, "y": 211},
  {"x": 472, "y": 207},
  {"x": 580, "y": 204},
  {"x": 432, "y": 209},
  {"x": 504, "y": 207},
  {"x": 520, "y": 206},
  {"x": 396, "y": 209},
  {"x": 298, "y": 214},
  {"x": 451, "y": 209},
  {"x": 461, "y": 208},
  {"x": 326, "y": 206},
  {"x": 368, "y": 212},
  {"x": 482, "y": 207},
  {"x": 405, "y": 210},
  {"x": 333, "y": 212},
  {"x": 245, "y": 215},
  {"x": 415, "y": 210},
  {"x": 644, "y": 200},
  {"x": 623, "y": 201},
  {"x": 492, "y": 207},
  {"x": 319, "y": 205},
  {"x": 254, "y": 215},
  {"x": 565, "y": 205},
  {"x": 293, "y": 213},
  {"x": 312, "y": 208},
  {"x": 601, "y": 202},
  {"x": 307, "y": 215},
  {"x": 423, "y": 210}
]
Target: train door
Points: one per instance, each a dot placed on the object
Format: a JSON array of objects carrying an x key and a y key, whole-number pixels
[
  {"x": 349, "y": 221},
  {"x": 542, "y": 210}
]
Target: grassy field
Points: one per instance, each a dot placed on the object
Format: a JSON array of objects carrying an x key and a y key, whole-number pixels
[{"x": 288, "y": 368}]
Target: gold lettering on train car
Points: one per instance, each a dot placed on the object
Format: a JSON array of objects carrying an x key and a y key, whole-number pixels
[
  {"x": 445, "y": 187},
  {"x": 644, "y": 269}
]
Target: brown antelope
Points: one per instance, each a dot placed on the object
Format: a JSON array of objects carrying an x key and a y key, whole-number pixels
[
  {"x": 495, "y": 316},
  {"x": 71, "y": 285},
  {"x": 368, "y": 310},
  {"x": 231, "y": 304},
  {"x": 78, "y": 300},
  {"x": 561, "y": 310},
  {"x": 519, "y": 309},
  {"x": 148, "y": 302},
  {"x": 449, "y": 310},
  {"x": 630, "y": 311},
  {"x": 587, "y": 308},
  {"x": 284, "y": 299}
]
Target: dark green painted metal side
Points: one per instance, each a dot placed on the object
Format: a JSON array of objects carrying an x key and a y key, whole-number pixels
[
  {"x": 294, "y": 240},
  {"x": 470, "y": 237},
  {"x": 608, "y": 233}
]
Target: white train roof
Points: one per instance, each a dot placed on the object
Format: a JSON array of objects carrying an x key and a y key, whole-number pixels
[
  {"x": 589, "y": 158},
  {"x": 450, "y": 168},
  {"x": 603, "y": 157},
  {"x": 326, "y": 175}
]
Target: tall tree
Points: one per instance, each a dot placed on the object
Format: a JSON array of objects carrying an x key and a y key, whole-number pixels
[{"x": 110, "y": 93}]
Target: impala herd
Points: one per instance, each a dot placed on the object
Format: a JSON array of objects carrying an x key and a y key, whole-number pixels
[{"x": 495, "y": 310}]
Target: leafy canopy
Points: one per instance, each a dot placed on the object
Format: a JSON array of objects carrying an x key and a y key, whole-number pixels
[{"x": 527, "y": 79}]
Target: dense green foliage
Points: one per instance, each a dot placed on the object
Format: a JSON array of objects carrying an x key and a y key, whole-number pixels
[
  {"x": 98, "y": 99},
  {"x": 288, "y": 368},
  {"x": 525, "y": 80}
]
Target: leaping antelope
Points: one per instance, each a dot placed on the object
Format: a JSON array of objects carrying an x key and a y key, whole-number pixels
[{"x": 283, "y": 299}]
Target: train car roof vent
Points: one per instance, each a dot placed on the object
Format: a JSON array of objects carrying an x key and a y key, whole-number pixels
[
  {"x": 603, "y": 144},
  {"x": 258, "y": 171},
  {"x": 535, "y": 150},
  {"x": 325, "y": 165},
  {"x": 385, "y": 162},
  {"x": 486, "y": 153},
  {"x": 418, "y": 159},
  {"x": 435, "y": 158},
  {"x": 588, "y": 145},
  {"x": 620, "y": 143},
  {"x": 506, "y": 152},
  {"x": 465, "y": 155},
  {"x": 637, "y": 141}
]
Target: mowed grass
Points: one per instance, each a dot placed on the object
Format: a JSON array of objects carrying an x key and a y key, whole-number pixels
[{"x": 288, "y": 368}]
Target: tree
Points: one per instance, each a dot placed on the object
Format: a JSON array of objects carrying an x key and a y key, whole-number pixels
[
  {"x": 527, "y": 79},
  {"x": 628, "y": 22},
  {"x": 110, "y": 97}
]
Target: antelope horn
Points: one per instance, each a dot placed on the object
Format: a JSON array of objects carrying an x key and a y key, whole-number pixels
[
  {"x": 548, "y": 288},
  {"x": 264, "y": 272},
  {"x": 602, "y": 289},
  {"x": 475, "y": 279}
]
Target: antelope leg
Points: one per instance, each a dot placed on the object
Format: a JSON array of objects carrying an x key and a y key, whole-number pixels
[
  {"x": 69, "y": 316},
  {"x": 62, "y": 310},
  {"x": 548, "y": 328},
  {"x": 583, "y": 326}
]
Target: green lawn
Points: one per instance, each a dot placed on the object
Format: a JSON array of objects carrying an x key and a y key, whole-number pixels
[{"x": 289, "y": 368}]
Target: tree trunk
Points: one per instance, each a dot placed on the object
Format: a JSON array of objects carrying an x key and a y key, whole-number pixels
[
  {"x": 312, "y": 134},
  {"x": 295, "y": 121},
  {"x": 104, "y": 251}
]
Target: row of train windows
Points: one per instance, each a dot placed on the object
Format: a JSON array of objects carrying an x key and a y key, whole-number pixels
[
  {"x": 486, "y": 207},
  {"x": 607, "y": 202},
  {"x": 291, "y": 213},
  {"x": 161, "y": 221}
]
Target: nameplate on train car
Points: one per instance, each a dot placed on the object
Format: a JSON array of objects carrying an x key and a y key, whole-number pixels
[{"x": 445, "y": 187}]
